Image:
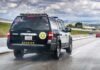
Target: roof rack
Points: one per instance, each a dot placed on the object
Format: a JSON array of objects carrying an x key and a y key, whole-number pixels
[{"x": 33, "y": 14}]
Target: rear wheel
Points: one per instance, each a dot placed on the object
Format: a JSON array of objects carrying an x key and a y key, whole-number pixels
[
  {"x": 57, "y": 52},
  {"x": 18, "y": 53},
  {"x": 69, "y": 49}
]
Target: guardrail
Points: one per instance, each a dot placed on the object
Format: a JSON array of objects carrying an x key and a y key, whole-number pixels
[{"x": 81, "y": 29}]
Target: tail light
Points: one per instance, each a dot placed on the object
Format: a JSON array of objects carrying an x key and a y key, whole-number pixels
[
  {"x": 50, "y": 35},
  {"x": 8, "y": 35}
]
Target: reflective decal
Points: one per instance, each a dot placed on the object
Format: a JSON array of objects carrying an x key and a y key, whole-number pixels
[
  {"x": 32, "y": 34},
  {"x": 42, "y": 35}
]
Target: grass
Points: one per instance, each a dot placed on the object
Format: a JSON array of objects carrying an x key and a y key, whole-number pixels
[
  {"x": 76, "y": 32},
  {"x": 4, "y": 28}
]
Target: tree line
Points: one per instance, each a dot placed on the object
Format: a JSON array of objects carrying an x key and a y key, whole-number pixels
[{"x": 77, "y": 25}]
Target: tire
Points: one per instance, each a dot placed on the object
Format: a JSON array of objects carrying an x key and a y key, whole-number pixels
[
  {"x": 57, "y": 52},
  {"x": 69, "y": 49},
  {"x": 19, "y": 54}
]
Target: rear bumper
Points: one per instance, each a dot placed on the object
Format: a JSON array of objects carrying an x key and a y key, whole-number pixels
[{"x": 33, "y": 48}]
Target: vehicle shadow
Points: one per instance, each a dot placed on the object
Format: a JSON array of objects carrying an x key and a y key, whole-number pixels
[{"x": 42, "y": 57}]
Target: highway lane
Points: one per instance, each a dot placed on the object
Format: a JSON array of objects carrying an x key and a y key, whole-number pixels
[
  {"x": 82, "y": 42},
  {"x": 3, "y": 41},
  {"x": 85, "y": 56}
]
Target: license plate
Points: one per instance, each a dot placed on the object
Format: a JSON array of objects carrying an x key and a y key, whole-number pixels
[
  {"x": 28, "y": 37},
  {"x": 29, "y": 43}
]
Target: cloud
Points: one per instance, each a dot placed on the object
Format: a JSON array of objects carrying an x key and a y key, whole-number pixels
[
  {"x": 2, "y": 11},
  {"x": 71, "y": 10},
  {"x": 12, "y": 5}
]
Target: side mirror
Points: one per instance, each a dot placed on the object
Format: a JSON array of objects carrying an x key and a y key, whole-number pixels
[{"x": 67, "y": 29}]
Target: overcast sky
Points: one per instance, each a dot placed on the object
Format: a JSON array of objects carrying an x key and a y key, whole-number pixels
[{"x": 69, "y": 10}]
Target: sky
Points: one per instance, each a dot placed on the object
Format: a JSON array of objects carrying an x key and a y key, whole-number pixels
[{"x": 68, "y": 10}]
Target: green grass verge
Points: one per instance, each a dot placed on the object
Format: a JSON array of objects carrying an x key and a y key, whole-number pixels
[
  {"x": 76, "y": 32},
  {"x": 4, "y": 28}
]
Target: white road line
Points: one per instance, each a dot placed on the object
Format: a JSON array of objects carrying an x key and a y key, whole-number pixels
[{"x": 82, "y": 48}]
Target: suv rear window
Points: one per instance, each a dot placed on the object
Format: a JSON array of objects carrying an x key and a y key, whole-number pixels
[{"x": 34, "y": 23}]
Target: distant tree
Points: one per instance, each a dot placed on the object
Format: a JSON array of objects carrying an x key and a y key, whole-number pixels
[
  {"x": 79, "y": 25},
  {"x": 70, "y": 25}
]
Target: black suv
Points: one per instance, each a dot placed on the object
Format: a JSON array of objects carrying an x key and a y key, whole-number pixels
[{"x": 38, "y": 33}]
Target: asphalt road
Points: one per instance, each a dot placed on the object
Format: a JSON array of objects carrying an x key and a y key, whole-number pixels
[{"x": 85, "y": 56}]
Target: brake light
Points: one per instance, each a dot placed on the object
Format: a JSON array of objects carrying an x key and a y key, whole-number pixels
[
  {"x": 8, "y": 35},
  {"x": 50, "y": 35}
]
